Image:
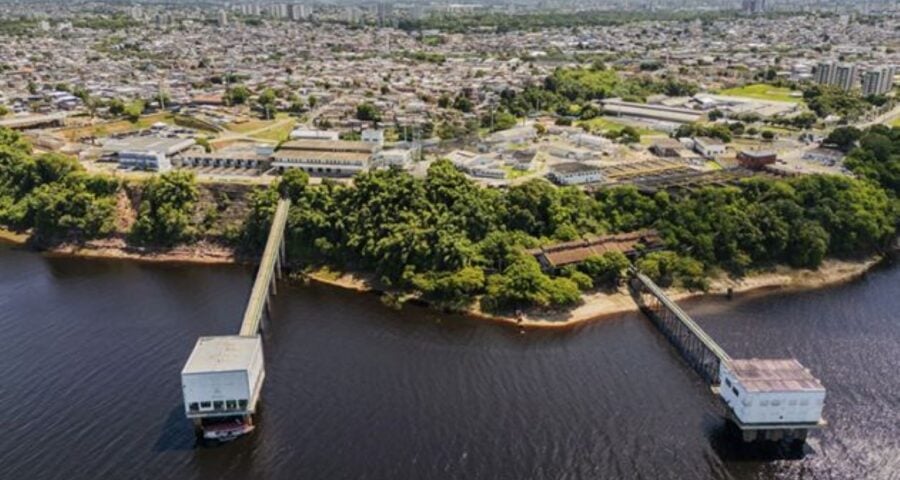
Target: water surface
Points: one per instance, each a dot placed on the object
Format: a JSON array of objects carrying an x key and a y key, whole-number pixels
[{"x": 91, "y": 350}]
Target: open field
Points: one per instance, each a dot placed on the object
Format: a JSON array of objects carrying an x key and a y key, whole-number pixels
[
  {"x": 277, "y": 132},
  {"x": 605, "y": 123},
  {"x": 761, "y": 91},
  {"x": 118, "y": 126},
  {"x": 895, "y": 122}
]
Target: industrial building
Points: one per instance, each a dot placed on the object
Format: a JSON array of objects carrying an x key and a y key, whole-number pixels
[
  {"x": 146, "y": 152},
  {"x": 221, "y": 383},
  {"x": 575, "y": 173},
  {"x": 651, "y": 112},
  {"x": 555, "y": 257},
  {"x": 756, "y": 159},
  {"x": 771, "y": 392},
  {"x": 325, "y": 158},
  {"x": 709, "y": 147},
  {"x": 255, "y": 157}
]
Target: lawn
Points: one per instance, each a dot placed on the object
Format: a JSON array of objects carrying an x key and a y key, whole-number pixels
[
  {"x": 512, "y": 173},
  {"x": 276, "y": 133},
  {"x": 601, "y": 124},
  {"x": 761, "y": 91},
  {"x": 895, "y": 122}
]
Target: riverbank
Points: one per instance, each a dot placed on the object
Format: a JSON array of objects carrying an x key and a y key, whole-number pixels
[
  {"x": 595, "y": 305},
  {"x": 204, "y": 253},
  {"x": 601, "y": 305},
  {"x": 7, "y": 236}
]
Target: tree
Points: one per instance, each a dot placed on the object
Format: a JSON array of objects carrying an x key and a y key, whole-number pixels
[
  {"x": 267, "y": 101},
  {"x": 606, "y": 270},
  {"x": 843, "y": 138},
  {"x": 462, "y": 103},
  {"x": 368, "y": 112},
  {"x": 768, "y": 135},
  {"x": 164, "y": 218},
  {"x": 293, "y": 184},
  {"x": 523, "y": 283},
  {"x": 133, "y": 110},
  {"x": 237, "y": 95}
]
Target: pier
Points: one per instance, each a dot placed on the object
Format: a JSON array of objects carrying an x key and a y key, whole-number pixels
[
  {"x": 767, "y": 399},
  {"x": 222, "y": 379},
  {"x": 270, "y": 270}
]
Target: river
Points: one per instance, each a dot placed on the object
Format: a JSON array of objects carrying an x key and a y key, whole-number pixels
[{"x": 91, "y": 351}]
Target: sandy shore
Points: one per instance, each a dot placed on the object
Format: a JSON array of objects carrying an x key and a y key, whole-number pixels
[
  {"x": 7, "y": 236},
  {"x": 595, "y": 305},
  {"x": 200, "y": 253},
  {"x": 600, "y": 305}
]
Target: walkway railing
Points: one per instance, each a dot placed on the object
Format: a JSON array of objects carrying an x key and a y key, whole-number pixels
[
  {"x": 701, "y": 352},
  {"x": 269, "y": 271}
]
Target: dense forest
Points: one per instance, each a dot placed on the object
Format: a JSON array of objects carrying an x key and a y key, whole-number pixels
[{"x": 453, "y": 241}]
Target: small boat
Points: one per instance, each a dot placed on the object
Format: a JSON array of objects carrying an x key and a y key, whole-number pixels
[{"x": 228, "y": 430}]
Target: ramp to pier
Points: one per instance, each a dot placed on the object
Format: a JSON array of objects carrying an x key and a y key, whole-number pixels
[
  {"x": 269, "y": 269},
  {"x": 700, "y": 351}
]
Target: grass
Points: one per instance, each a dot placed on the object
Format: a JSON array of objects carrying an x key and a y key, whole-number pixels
[
  {"x": 605, "y": 123},
  {"x": 250, "y": 125},
  {"x": 277, "y": 133},
  {"x": 895, "y": 122},
  {"x": 761, "y": 91},
  {"x": 118, "y": 126},
  {"x": 512, "y": 173}
]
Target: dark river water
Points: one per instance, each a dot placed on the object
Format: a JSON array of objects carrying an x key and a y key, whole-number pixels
[{"x": 90, "y": 355}]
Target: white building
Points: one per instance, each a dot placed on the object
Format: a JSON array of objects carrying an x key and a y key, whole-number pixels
[
  {"x": 574, "y": 173},
  {"x": 373, "y": 136},
  {"x": 395, "y": 157},
  {"x": 325, "y": 157},
  {"x": 771, "y": 392},
  {"x": 708, "y": 147},
  {"x": 307, "y": 134},
  {"x": 878, "y": 81},
  {"x": 223, "y": 377},
  {"x": 843, "y": 75},
  {"x": 145, "y": 160},
  {"x": 146, "y": 152}
]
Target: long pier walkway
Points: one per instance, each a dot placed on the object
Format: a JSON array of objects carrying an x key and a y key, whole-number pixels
[
  {"x": 699, "y": 350},
  {"x": 222, "y": 379},
  {"x": 270, "y": 270},
  {"x": 767, "y": 399}
]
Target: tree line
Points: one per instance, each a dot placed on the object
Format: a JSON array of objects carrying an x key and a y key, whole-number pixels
[{"x": 447, "y": 238}]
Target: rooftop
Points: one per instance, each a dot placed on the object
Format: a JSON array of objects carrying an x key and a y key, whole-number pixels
[
  {"x": 164, "y": 145},
  {"x": 573, "y": 167},
  {"x": 782, "y": 375},
  {"x": 222, "y": 354}
]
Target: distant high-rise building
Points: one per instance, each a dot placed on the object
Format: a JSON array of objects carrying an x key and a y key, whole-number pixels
[
  {"x": 297, "y": 12},
  {"x": 222, "y": 18},
  {"x": 846, "y": 77},
  {"x": 841, "y": 75},
  {"x": 878, "y": 81},
  {"x": 754, "y": 6}
]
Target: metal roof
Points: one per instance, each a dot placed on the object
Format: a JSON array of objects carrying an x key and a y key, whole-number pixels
[
  {"x": 222, "y": 354},
  {"x": 780, "y": 375}
]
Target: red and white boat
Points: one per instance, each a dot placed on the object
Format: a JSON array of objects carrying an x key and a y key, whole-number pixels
[{"x": 225, "y": 431}]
